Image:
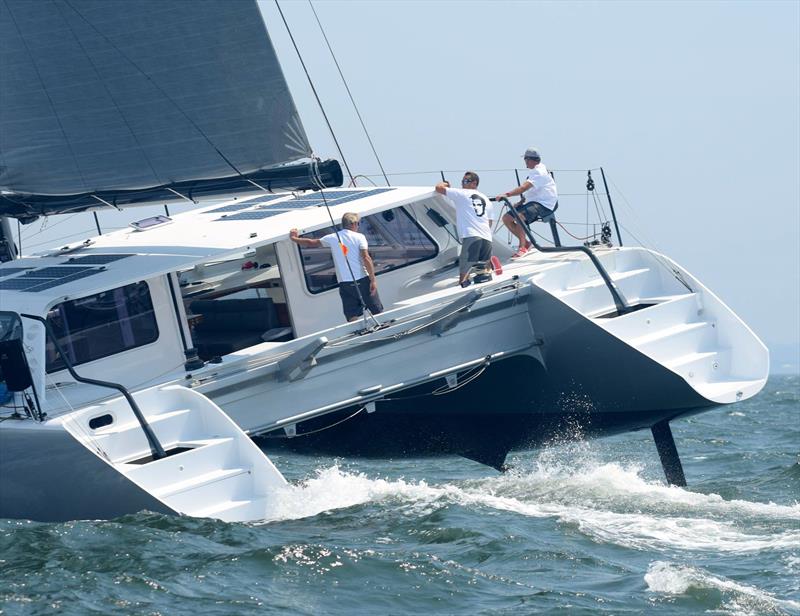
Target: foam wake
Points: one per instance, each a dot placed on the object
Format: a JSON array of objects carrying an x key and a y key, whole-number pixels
[
  {"x": 607, "y": 503},
  {"x": 735, "y": 598}
]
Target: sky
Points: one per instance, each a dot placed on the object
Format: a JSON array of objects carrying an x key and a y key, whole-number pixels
[{"x": 691, "y": 108}]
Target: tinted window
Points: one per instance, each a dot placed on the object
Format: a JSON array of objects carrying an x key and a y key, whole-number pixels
[
  {"x": 101, "y": 325},
  {"x": 395, "y": 240}
]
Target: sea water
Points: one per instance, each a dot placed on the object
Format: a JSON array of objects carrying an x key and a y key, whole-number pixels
[{"x": 573, "y": 528}]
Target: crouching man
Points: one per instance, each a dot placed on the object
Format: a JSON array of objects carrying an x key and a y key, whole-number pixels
[{"x": 474, "y": 217}]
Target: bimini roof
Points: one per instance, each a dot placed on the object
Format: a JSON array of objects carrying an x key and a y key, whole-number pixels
[{"x": 187, "y": 239}]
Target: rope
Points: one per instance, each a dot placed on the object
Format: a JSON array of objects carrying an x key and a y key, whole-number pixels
[
  {"x": 318, "y": 181},
  {"x": 583, "y": 239},
  {"x": 366, "y": 177},
  {"x": 347, "y": 342},
  {"x": 310, "y": 432},
  {"x": 72, "y": 418},
  {"x": 314, "y": 90},
  {"x": 352, "y": 100},
  {"x": 446, "y": 389}
]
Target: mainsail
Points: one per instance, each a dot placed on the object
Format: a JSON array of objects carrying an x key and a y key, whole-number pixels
[{"x": 118, "y": 102}]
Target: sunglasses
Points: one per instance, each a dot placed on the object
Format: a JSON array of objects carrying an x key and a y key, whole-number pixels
[{"x": 467, "y": 181}]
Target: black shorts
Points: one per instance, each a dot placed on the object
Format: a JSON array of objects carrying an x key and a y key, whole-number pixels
[
  {"x": 351, "y": 302},
  {"x": 473, "y": 250},
  {"x": 533, "y": 211}
]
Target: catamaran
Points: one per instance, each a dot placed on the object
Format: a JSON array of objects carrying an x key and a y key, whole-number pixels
[{"x": 137, "y": 363}]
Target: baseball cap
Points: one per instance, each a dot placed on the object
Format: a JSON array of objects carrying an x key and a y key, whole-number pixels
[{"x": 532, "y": 153}]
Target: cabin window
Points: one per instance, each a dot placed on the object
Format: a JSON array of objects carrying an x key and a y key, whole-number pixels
[
  {"x": 395, "y": 240},
  {"x": 101, "y": 325}
]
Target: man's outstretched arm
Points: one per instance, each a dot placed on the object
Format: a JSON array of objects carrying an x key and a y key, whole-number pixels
[
  {"x": 305, "y": 242},
  {"x": 516, "y": 191}
]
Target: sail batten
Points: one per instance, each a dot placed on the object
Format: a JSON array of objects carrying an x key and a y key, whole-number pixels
[{"x": 110, "y": 98}]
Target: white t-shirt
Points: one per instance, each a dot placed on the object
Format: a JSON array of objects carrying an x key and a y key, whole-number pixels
[
  {"x": 348, "y": 252},
  {"x": 473, "y": 213},
  {"x": 544, "y": 187}
]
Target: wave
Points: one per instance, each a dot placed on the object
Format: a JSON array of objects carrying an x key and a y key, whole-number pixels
[
  {"x": 606, "y": 502},
  {"x": 735, "y": 598}
]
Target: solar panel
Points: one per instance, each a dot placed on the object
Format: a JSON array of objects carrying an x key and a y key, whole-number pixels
[
  {"x": 311, "y": 199},
  {"x": 294, "y": 204},
  {"x": 56, "y": 272},
  {"x": 19, "y": 284},
  {"x": 10, "y": 271},
  {"x": 328, "y": 196},
  {"x": 233, "y": 207},
  {"x": 243, "y": 205},
  {"x": 268, "y": 198},
  {"x": 55, "y": 282},
  {"x": 341, "y": 196},
  {"x": 256, "y": 215},
  {"x": 97, "y": 259}
]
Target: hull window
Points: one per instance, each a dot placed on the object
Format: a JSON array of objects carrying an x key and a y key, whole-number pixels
[
  {"x": 101, "y": 325},
  {"x": 395, "y": 240}
]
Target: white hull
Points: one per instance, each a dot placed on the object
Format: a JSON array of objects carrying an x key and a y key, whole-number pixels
[
  {"x": 96, "y": 463},
  {"x": 540, "y": 351}
]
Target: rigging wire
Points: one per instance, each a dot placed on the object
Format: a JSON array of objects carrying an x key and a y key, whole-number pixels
[
  {"x": 318, "y": 181},
  {"x": 352, "y": 100},
  {"x": 314, "y": 90},
  {"x": 656, "y": 250},
  {"x": 310, "y": 432}
]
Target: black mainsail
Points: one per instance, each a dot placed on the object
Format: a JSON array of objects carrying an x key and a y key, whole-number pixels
[{"x": 124, "y": 102}]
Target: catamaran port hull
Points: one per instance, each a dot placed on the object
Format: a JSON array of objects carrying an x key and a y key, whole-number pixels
[{"x": 49, "y": 476}]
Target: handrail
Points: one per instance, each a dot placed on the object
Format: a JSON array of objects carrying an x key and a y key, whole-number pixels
[
  {"x": 619, "y": 299},
  {"x": 155, "y": 446}
]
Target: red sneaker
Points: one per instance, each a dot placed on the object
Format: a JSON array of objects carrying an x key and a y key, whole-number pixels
[{"x": 520, "y": 253}]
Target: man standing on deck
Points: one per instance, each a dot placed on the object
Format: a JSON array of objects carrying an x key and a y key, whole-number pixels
[
  {"x": 354, "y": 269},
  {"x": 539, "y": 198},
  {"x": 473, "y": 221}
]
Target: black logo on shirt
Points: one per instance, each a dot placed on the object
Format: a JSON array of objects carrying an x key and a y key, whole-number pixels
[{"x": 478, "y": 204}]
